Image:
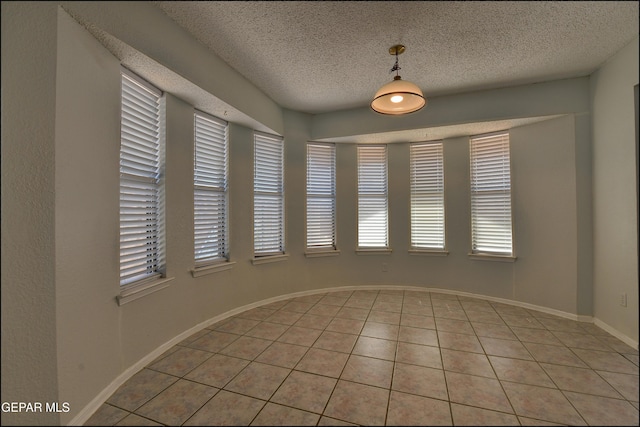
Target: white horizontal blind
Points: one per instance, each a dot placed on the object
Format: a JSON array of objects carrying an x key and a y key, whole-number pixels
[
  {"x": 491, "y": 195},
  {"x": 210, "y": 190},
  {"x": 427, "y": 195},
  {"x": 372, "y": 196},
  {"x": 141, "y": 234},
  {"x": 268, "y": 195},
  {"x": 321, "y": 196}
]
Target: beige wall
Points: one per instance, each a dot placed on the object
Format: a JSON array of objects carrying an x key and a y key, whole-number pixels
[
  {"x": 615, "y": 234},
  {"x": 86, "y": 208},
  {"x": 150, "y": 33},
  {"x": 545, "y": 213},
  {"x": 29, "y": 339},
  {"x": 64, "y": 338}
]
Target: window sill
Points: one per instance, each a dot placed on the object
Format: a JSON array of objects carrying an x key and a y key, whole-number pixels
[
  {"x": 427, "y": 252},
  {"x": 491, "y": 257},
  {"x": 374, "y": 251},
  {"x": 269, "y": 259},
  {"x": 144, "y": 288},
  {"x": 317, "y": 254},
  {"x": 212, "y": 268}
]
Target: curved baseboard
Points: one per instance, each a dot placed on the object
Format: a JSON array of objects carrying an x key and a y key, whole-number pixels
[{"x": 102, "y": 397}]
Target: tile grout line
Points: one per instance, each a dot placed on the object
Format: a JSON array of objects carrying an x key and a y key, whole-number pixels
[{"x": 556, "y": 332}]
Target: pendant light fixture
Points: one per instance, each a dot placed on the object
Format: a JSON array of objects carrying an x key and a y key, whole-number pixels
[{"x": 398, "y": 96}]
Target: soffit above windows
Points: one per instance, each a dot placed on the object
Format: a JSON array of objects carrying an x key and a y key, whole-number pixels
[{"x": 439, "y": 132}]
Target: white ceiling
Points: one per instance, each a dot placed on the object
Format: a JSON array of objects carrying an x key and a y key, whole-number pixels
[{"x": 321, "y": 56}]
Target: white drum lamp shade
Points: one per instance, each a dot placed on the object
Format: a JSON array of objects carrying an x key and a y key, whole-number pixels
[{"x": 398, "y": 96}]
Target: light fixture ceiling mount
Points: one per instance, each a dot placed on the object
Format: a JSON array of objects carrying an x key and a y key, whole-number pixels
[
  {"x": 397, "y": 49},
  {"x": 399, "y": 96}
]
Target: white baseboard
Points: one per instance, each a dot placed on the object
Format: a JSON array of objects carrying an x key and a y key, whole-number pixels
[
  {"x": 622, "y": 337},
  {"x": 102, "y": 397}
]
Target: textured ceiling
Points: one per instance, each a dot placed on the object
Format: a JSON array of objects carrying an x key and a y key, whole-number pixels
[{"x": 321, "y": 56}]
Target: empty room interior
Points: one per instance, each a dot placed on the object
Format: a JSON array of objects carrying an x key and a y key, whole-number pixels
[{"x": 319, "y": 213}]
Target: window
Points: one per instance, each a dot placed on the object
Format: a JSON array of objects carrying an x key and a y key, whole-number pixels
[
  {"x": 210, "y": 190},
  {"x": 268, "y": 195},
  {"x": 427, "y": 196},
  {"x": 491, "y": 231},
  {"x": 321, "y": 196},
  {"x": 372, "y": 197},
  {"x": 141, "y": 168}
]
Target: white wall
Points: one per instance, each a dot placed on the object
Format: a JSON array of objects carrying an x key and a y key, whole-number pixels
[
  {"x": 615, "y": 233},
  {"x": 64, "y": 338}
]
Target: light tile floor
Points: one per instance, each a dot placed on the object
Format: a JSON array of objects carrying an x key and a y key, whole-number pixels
[{"x": 385, "y": 357}]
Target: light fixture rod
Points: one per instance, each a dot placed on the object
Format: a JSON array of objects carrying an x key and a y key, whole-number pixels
[{"x": 396, "y": 50}]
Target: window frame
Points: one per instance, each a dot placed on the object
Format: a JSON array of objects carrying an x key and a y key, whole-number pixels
[
  {"x": 321, "y": 157},
  {"x": 424, "y": 183},
  {"x": 271, "y": 161},
  {"x": 366, "y": 169},
  {"x": 141, "y": 166},
  {"x": 495, "y": 138},
  {"x": 211, "y": 189}
]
